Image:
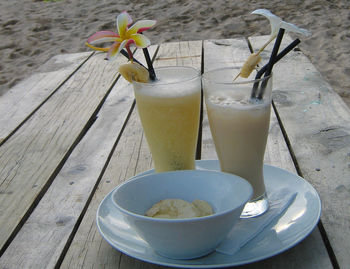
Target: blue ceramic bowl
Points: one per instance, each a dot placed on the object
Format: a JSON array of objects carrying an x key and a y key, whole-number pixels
[{"x": 183, "y": 238}]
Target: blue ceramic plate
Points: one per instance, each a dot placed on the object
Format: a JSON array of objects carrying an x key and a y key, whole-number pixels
[{"x": 292, "y": 227}]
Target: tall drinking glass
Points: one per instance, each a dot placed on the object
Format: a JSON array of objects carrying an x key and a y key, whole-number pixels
[
  {"x": 239, "y": 118},
  {"x": 169, "y": 110}
]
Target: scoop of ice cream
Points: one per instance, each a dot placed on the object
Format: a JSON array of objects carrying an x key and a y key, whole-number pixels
[{"x": 179, "y": 209}]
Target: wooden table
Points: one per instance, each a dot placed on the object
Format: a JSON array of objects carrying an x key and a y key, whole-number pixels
[{"x": 70, "y": 134}]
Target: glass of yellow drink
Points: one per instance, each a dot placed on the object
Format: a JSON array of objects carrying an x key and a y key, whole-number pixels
[
  {"x": 169, "y": 109},
  {"x": 239, "y": 118}
]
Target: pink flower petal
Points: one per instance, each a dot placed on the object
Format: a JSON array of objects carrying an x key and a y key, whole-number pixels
[
  {"x": 140, "y": 40},
  {"x": 102, "y": 36},
  {"x": 141, "y": 26},
  {"x": 129, "y": 18}
]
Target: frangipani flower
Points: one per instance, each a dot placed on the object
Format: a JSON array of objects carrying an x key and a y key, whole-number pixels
[
  {"x": 276, "y": 23},
  {"x": 125, "y": 37}
]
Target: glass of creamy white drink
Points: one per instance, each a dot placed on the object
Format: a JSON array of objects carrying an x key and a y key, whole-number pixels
[
  {"x": 239, "y": 118},
  {"x": 169, "y": 109}
]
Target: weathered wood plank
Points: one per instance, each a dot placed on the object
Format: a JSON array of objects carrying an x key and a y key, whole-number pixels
[
  {"x": 317, "y": 122},
  {"x": 20, "y": 101},
  {"x": 131, "y": 156},
  {"x": 31, "y": 157},
  {"x": 311, "y": 252},
  {"x": 54, "y": 218},
  {"x": 88, "y": 249},
  {"x": 184, "y": 53},
  {"x": 43, "y": 237},
  {"x": 225, "y": 52}
]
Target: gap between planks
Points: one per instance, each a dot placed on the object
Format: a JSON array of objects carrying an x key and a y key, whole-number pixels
[
  {"x": 80, "y": 218},
  {"x": 3, "y": 140},
  {"x": 47, "y": 185}
]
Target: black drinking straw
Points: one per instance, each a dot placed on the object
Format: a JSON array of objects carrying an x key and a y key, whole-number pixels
[
  {"x": 271, "y": 62},
  {"x": 283, "y": 53},
  {"x": 280, "y": 55},
  {"x": 152, "y": 74},
  {"x": 126, "y": 54},
  {"x": 269, "y": 65}
]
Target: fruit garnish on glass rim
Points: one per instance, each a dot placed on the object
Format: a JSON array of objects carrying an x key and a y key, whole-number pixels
[
  {"x": 276, "y": 23},
  {"x": 134, "y": 72},
  {"x": 126, "y": 36}
]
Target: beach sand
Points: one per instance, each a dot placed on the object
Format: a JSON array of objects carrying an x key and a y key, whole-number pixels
[{"x": 32, "y": 31}]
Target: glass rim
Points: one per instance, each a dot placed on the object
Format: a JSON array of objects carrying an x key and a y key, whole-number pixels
[
  {"x": 195, "y": 76},
  {"x": 249, "y": 81}
]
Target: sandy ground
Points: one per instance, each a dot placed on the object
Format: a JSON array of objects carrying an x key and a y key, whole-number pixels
[{"x": 32, "y": 31}]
